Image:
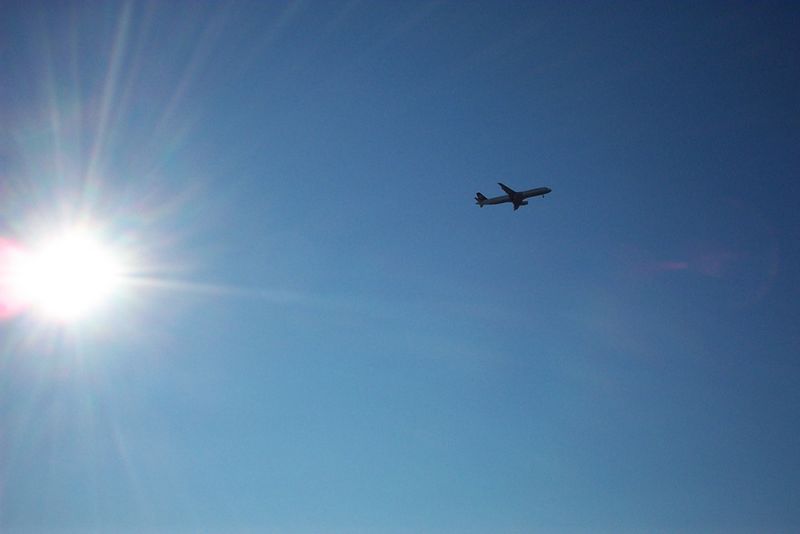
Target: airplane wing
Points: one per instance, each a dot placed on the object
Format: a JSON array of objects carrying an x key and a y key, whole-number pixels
[{"x": 507, "y": 189}]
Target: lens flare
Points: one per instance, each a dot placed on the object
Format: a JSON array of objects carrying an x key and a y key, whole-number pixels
[{"x": 12, "y": 259}]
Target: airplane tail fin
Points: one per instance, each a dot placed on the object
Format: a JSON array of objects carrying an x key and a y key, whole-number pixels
[{"x": 479, "y": 199}]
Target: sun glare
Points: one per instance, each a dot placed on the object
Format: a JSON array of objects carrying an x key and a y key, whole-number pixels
[{"x": 68, "y": 276}]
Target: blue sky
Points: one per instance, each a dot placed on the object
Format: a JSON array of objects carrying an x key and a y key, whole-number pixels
[{"x": 334, "y": 338}]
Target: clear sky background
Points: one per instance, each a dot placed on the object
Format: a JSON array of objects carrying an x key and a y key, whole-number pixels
[{"x": 335, "y": 338}]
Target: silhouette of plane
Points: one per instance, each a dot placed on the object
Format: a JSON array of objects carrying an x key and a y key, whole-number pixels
[{"x": 516, "y": 197}]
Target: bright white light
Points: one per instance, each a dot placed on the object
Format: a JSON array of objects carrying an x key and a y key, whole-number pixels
[{"x": 68, "y": 276}]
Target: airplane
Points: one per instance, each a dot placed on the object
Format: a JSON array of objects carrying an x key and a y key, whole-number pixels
[{"x": 517, "y": 197}]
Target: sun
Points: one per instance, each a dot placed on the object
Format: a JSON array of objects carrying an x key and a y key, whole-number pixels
[{"x": 68, "y": 275}]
